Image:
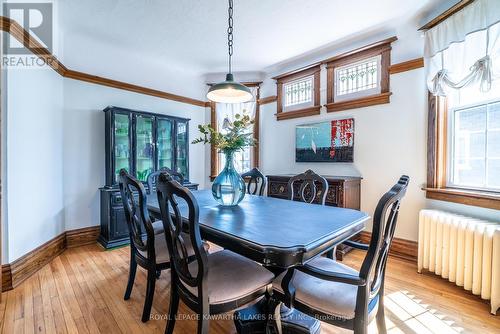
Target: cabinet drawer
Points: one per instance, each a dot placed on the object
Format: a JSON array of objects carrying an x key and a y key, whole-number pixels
[
  {"x": 332, "y": 196},
  {"x": 116, "y": 199},
  {"x": 278, "y": 189}
]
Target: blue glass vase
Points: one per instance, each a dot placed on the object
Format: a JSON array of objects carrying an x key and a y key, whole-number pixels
[{"x": 228, "y": 188}]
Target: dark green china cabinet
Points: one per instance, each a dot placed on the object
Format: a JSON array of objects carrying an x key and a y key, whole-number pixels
[{"x": 142, "y": 143}]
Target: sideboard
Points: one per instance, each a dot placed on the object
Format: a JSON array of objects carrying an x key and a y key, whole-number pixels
[{"x": 343, "y": 191}]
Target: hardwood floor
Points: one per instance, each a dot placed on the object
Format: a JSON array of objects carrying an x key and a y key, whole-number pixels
[{"x": 81, "y": 291}]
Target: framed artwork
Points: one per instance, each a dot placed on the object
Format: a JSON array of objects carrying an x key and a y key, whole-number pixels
[{"x": 331, "y": 141}]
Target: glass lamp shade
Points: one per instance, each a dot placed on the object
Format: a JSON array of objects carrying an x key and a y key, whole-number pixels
[{"x": 229, "y": 91}]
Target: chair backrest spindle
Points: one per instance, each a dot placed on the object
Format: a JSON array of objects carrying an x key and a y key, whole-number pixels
[
  {"x": 384, "y": 225},
  {"x": 152, "y": 178},
  {"x": 139, "y": 223},
  {"x": 169, "y": 193},
  {"x": 308, "y": 191},
  {"x": 257, "y": 179}
]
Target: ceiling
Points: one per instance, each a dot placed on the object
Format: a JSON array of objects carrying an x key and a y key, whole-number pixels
[{"x": 191, "y": 34}]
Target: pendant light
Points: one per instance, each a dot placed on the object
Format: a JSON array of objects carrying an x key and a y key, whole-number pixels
[{"x": 229, "y": 91}]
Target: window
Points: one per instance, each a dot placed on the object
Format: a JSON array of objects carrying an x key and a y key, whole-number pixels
[
  {"x": 359, "y": 78},
  {"x": 242, "y": 160},
  {"x": 249, "y": 157},
  {"x": 475, "y": 147},
  {"x": 298, "y": 93},
  {"x": 464, "y": 147}
]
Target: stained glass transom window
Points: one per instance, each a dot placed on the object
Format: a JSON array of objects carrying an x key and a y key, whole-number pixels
[
  {"x": 362, "y": 78},
  {"x": 299, "y": 92}
]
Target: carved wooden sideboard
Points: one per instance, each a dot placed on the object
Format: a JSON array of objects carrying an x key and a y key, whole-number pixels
[{"x": 343, "y": 191}]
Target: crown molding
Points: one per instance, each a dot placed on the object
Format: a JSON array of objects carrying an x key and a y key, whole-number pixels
[{"x": 17, "y": 31}]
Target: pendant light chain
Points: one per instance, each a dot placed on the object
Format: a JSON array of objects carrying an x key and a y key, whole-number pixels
[
  {"x": 229, "y": 91},
  {"x": 230, "y": 33}
]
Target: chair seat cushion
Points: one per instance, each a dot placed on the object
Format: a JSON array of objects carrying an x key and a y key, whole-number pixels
[
  {"x": 161, "y": 248},
  {"x": 158, "y": 227},
  {"x": 333, "y": 298},
  {"x": 231, "y": 277}
]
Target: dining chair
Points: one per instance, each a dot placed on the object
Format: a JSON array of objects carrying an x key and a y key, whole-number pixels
[
  {"x": 152, "y": 177},
  {"x": 309, "y": 193},
  {"x": 256, "y": 178},
  {"x": 212, "y": 283},
  {"x": 338, "y": 294},
  {"x": 308, "y": 190},
  {"x": 148, "y": 247}
]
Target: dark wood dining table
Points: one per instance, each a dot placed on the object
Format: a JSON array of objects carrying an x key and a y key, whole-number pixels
[{"x": 278, "y": 233}]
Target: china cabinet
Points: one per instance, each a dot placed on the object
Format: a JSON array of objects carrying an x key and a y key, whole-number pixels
[{"x": 142, "y": 143}]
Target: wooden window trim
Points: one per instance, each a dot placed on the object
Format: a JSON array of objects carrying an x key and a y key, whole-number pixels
[
  {"x": 381, "y": 48},
  {"x": 313, "y": 70},
  {"x": 437, "y": 140},
  {"x": 446, "y": 14},
  {"x": 214, "y": 157}
]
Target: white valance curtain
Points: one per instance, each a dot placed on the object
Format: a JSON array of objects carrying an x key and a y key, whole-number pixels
[
  {"x": 227, "y": 111},
  {"x": 464, "y": 50}
]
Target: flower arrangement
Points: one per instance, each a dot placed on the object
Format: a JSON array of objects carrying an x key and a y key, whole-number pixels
[{"x": 234, "y": 138}]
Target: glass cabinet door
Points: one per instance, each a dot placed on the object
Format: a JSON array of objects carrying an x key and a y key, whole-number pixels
[
  {"x": 122, "y": 143},
  {"x": 181, "y": 154},
  {"x": 144, "y": 149},
  {"x": 165, "y": 147}
]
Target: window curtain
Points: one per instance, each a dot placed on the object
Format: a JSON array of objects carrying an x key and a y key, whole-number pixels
[
  {"x": 464, "y": 50},
  {"x": 226, "y": 112}
]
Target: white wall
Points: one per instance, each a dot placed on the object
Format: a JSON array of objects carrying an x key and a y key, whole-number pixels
[
  {"x": 83, "y": 153},
  {"x": 55, "y": 153},
  {"x": 34, "y": 161},
  {"x": 389, "y": 140}
]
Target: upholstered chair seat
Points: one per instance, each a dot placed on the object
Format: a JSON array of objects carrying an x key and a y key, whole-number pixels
[
  {"x": 231, "y": 277},
  {"x": 332, "y": 298},
  {"x": 161, "y": 248},
  {"x": 158, "y": 227}
]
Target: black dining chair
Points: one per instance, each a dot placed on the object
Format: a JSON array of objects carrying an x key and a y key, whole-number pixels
[
  {"x": 309, "y": 192},
  {"x": 338, "y": 294},
  {"x": 257, "y": 179},
  {"x": 152, "y": 177},
  {"x": 212, "y": 283},
  {"x": 148, "y": 247}
]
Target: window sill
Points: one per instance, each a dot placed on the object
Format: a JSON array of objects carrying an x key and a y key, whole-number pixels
[
  {"x": 359, "y": 102},
  {"x": 482, "y": 199},
  {"x": 311, "y": 111}
]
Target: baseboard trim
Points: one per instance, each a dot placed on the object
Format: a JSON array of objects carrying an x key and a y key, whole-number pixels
[
  {"x": 82, "y": 236},
  {"x": 6, "y": 278},
  {"x": 18, "y": 271},
  {"x": 400, "y": 248}
]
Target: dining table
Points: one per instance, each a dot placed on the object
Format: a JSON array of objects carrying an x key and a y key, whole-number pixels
[{"x": 280, "y": 234}]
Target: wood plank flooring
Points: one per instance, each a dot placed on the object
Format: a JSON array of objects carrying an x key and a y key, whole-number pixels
[{"x": 81, "y": 291}]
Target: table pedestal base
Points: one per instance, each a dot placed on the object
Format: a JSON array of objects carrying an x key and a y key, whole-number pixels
[{"x": 253, "y": 319}]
